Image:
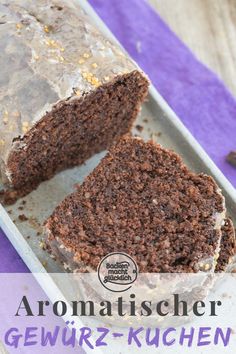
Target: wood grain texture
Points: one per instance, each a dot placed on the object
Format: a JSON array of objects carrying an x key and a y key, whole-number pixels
[{"x": 208, "y": 27}]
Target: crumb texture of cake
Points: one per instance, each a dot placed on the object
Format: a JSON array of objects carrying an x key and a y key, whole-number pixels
[
  {"x": 227, "y": 255},
  {"x": 141, "y": 199},
  {"x": 67, "y": 92}
]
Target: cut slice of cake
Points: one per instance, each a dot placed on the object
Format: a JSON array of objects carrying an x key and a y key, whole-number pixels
[
  {"x": 66, "y": 91},
  {"x": 226, "y": 260},
  {"x": 141, "y": 199}
]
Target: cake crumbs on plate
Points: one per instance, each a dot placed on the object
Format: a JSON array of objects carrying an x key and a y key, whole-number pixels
[
  {"x": 22, "y": 217},
  {"x": 35, "y": 224},
  {"x": 139, "y": 127}
]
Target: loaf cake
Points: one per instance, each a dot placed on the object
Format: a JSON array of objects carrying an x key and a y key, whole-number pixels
[
  {"x": 66, "y": 91},
  {"x": 141, "y": 199}
]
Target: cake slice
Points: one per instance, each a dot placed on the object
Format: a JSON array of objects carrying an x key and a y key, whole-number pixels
[
  {"x": 227, "y": 255},
  {"x": 141, "y": 199},
  {"x": 66, "y": 91}
]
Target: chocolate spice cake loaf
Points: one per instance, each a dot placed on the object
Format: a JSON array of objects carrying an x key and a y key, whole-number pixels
[
  {"x": 66, "y": 91},
  {"x": 141, "y": 199}
]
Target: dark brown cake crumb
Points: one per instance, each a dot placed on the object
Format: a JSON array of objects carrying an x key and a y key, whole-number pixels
[
  {"x": 22, "y": 217},
  {"x": 139, "y": 128},
  {"x": 231, "y": 158},
  {"x": 141, "y": 199},
  {"x": 9, "y": 196}
]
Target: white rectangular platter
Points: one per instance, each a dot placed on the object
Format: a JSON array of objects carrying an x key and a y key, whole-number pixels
[{"x": 159, "y": 122}]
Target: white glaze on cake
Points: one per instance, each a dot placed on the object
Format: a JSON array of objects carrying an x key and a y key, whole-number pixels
[{"x": 50, "y": 52}]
